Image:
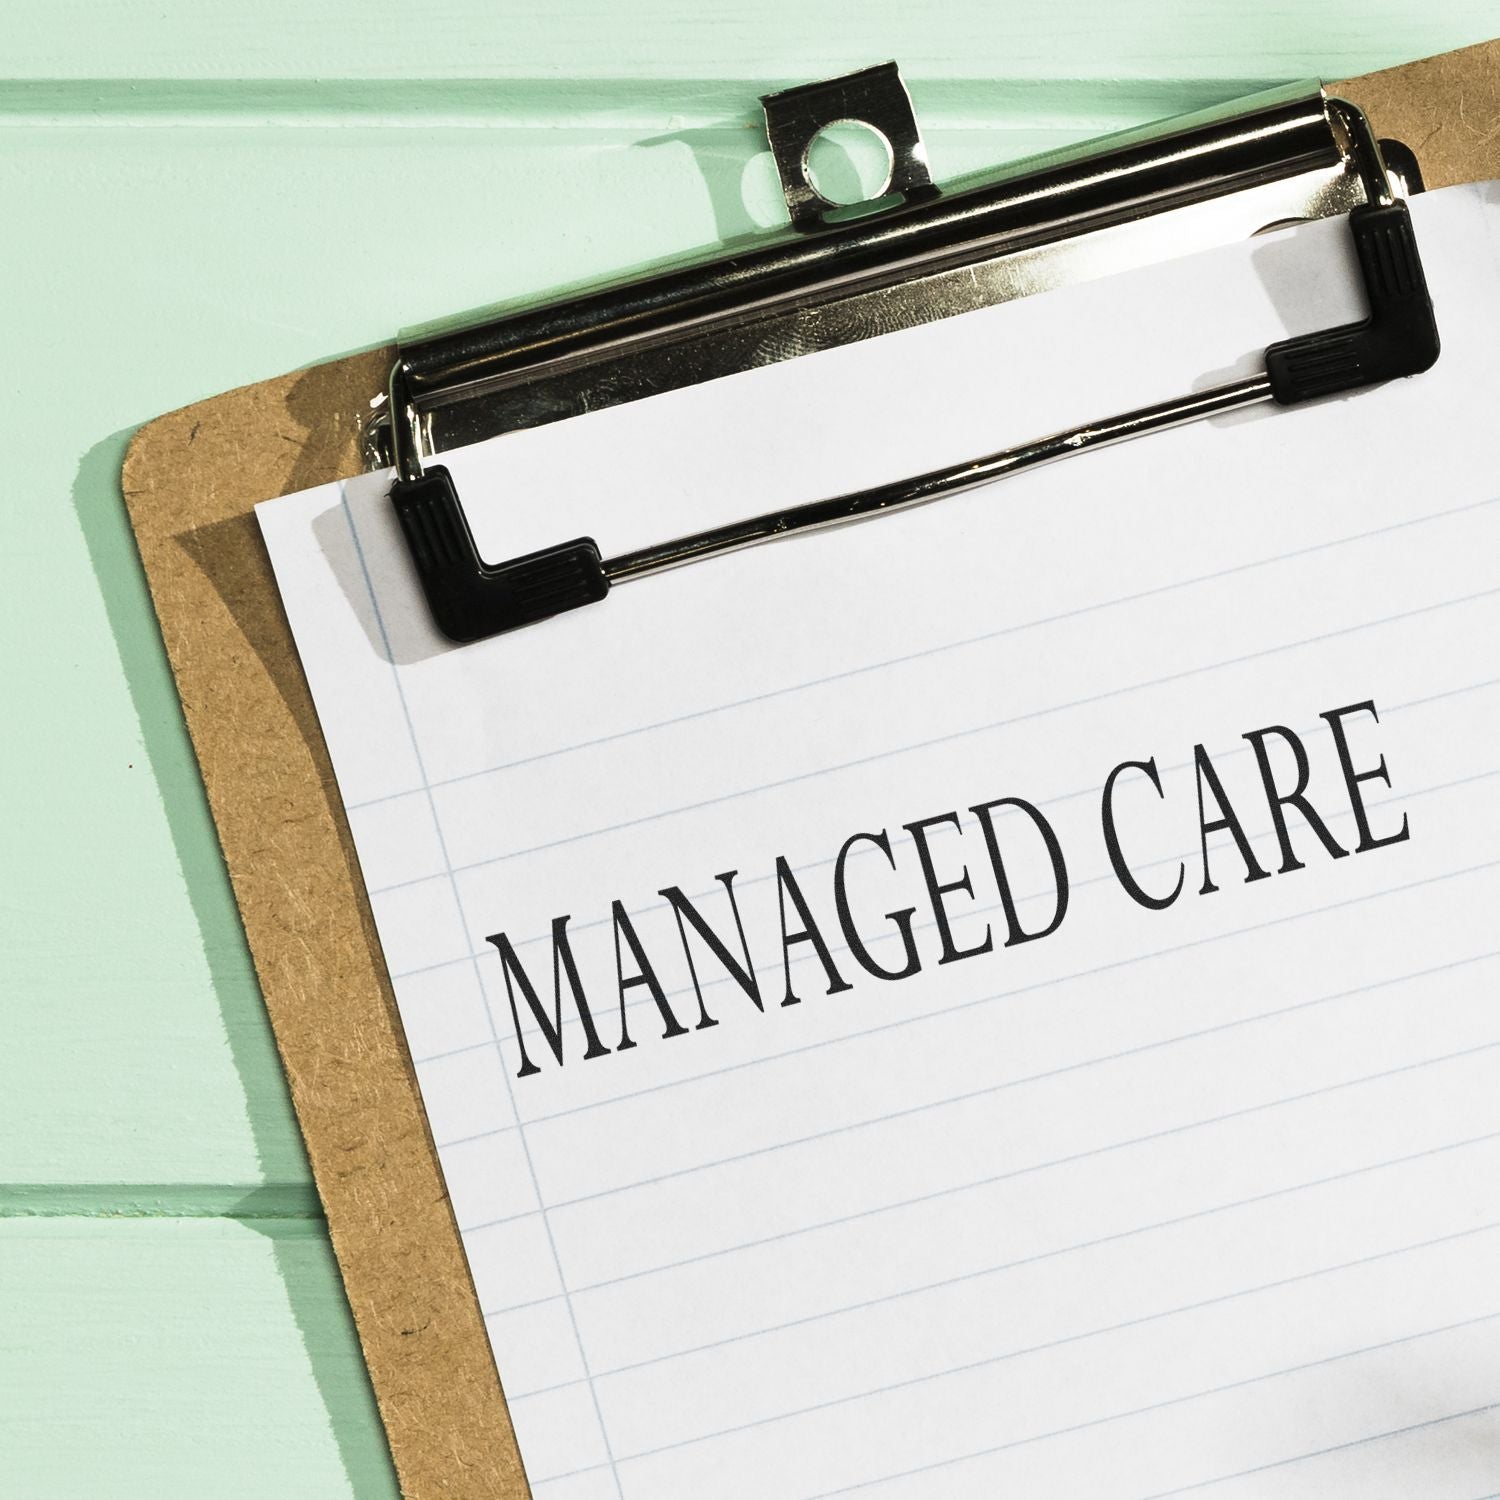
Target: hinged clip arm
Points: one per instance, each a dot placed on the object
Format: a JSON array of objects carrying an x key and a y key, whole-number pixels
[{"x": 470, "y": 598}]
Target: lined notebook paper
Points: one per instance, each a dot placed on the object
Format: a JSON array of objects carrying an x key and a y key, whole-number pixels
[{"x": 998, "y": 1000}]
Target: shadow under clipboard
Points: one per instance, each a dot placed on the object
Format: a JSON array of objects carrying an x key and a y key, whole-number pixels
[{"x": 285, "y": 1210}]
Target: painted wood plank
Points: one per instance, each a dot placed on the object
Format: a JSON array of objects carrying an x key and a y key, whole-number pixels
[
  {"x": 143, "y": 1359},
  {"x": 776, "y": 39}
]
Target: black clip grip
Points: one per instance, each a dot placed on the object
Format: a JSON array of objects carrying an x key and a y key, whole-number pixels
[
  {"x": 470, "y": 598},
  {"x": 1399, "y": 337}
]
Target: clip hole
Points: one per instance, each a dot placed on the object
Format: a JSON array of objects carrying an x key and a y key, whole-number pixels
[{"x": 849, "y": 162}]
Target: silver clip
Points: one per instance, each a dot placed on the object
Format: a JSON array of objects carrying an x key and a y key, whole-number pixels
[
  {"x": 406, "y": 436},
  {"x": 873, "y": 97}
]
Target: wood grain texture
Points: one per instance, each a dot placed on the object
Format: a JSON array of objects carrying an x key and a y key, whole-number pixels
[{"x": 192, "y": 198}]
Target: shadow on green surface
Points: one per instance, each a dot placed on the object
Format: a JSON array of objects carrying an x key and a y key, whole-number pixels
[
  {"x": 308, "y": 1270},
  {"x": 143, "y": 659},
  {"x": 746, "y": 204},
  {"x": 722, "y": 155},
  {"x": 303, "y": 1255}
]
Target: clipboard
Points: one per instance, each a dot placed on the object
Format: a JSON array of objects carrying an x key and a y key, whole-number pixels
[{"x": 190, "y": 481}]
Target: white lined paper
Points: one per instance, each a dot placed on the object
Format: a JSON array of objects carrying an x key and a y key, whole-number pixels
[{"x": 1198, "y": 1201}]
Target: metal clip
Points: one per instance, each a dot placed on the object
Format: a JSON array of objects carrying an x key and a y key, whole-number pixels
[
  {"x": 470, "y": 598},
  {"x": 873, "y": 97}
]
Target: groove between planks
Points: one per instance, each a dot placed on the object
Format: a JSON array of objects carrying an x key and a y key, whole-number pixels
[
  {"x": 287, "y": 1203},
  {"x": 586, "y": 105}
]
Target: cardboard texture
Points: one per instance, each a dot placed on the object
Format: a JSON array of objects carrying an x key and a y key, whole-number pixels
[{"x": 190, "y": 480}]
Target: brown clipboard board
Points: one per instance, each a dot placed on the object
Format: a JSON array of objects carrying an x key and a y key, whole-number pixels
[{"x": 190, "y": 481}]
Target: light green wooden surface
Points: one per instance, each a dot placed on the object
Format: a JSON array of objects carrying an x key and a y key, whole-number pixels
[{"x": 191, "y": 198}]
